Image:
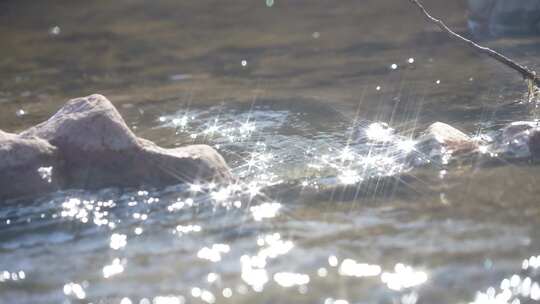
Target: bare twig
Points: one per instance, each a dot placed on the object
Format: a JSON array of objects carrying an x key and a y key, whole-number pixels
[{"x": 525, "y": 72}]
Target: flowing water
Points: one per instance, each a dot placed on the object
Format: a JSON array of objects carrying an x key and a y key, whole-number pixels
[{"x": 282, "y": 89}]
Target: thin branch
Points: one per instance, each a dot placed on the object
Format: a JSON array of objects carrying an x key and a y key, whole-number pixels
[{"x": 525, "y": 72}]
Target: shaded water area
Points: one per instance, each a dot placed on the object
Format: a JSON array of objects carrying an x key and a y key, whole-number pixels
[{"x": 280, "y": 88}]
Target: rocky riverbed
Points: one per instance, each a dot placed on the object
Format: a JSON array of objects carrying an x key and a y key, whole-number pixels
[{"x": 87, "y": 145}]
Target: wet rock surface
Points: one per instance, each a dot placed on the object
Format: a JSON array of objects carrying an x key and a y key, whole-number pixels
[
  {"x": 90, "y": 146},
  {"x": 517, "y": 141},
  {"x": 441, "y": 141},
  {"x": 22, "y": 161}
]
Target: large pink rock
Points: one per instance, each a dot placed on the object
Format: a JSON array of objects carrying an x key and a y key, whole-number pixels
[{"x": 94, "y": 148}]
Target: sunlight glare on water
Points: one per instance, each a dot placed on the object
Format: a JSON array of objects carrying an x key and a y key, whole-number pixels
[
  {"x": 290, "y": 279},
  {"x": 379, "y": 132},
  {"x": 403, "y": 277},
  {"x": 517, "y": 288},
  {"x": 213, "y": 253},
  {"x": 379, "y": 151},
  {"x": 350, "y": 267},
  {"x": 265, "y": 211},
  {"x": 118, "y": 241},
  {"x": 115, "y": 268},
  {"x": 304, "y": 105}
]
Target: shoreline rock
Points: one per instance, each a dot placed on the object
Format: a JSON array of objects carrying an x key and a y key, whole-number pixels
[{"x": 89, "y": 146}]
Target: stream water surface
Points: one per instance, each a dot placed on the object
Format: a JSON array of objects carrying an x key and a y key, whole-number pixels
[{"x": 282, "y": 89}]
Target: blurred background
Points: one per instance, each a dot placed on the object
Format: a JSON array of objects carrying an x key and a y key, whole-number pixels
[{"x": 209, "y": 51}]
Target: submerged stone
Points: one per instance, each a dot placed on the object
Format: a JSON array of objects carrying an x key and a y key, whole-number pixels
[
  {"x": 515, "y": 140},
  {"x": 94, "y": 148}
]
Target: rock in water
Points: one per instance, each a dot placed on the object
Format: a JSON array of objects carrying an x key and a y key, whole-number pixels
[
  {"x": 92, "y": 147},
  {"x": 515, "y": 140},
  {"x": 441, "y": 141},
  {"x": 26, "y": 165},
  {"x": 89, "y": 123}
]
